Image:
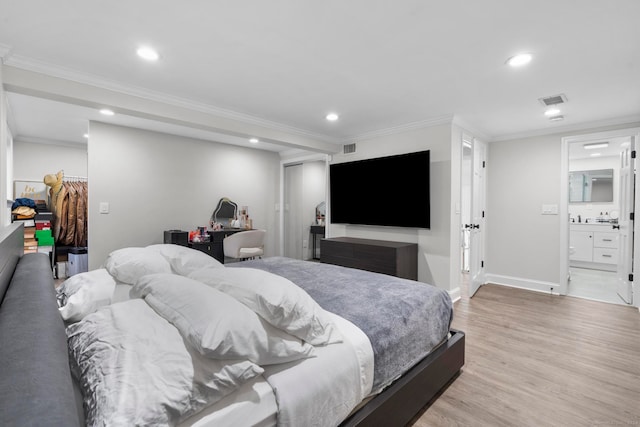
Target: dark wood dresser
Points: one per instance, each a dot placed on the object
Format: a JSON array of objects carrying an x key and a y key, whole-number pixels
[{"x": 380, "y": 256}]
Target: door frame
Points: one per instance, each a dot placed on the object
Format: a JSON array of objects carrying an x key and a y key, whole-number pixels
[
  {"x": 313, "y": 157},
  {"x": 564, "y": 204},
  {"x": 471, "y": 142}
]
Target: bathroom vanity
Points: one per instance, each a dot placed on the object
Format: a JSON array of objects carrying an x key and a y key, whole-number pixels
[{"x": 593, "y": 246}]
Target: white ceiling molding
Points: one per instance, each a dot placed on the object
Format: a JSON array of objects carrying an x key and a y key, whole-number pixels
[
  {"x": 471, "y": 129},
  {"x": 32, "y": 83},
  {"x": 41, "y": 67},
  {"x": 33, "y": 140},
  {"x": 628, "y": 120},
  {"x": 292, "y": 158}
]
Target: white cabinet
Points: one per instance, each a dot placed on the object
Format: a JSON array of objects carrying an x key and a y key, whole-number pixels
[
  {"x": 593, "y": 246},
  {"x": 581, "y": 245}
]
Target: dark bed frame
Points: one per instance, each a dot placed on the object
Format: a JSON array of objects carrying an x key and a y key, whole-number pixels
[{"x": 399, "y": 403}]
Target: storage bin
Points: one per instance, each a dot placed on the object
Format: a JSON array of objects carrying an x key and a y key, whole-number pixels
[{"x": 78, "y": 261}]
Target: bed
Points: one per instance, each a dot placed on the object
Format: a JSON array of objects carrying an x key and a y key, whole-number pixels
[{"x": 332, "y": 376}]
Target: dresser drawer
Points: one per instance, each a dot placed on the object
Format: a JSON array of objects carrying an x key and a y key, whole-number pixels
[
  {"x": 605, "y": 239},
  {"x": 605, "y": 255},
  {"x": 393, "y": 258}
]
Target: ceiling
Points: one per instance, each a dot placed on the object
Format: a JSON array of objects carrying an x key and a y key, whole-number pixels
[
  {"x": 380, "y": 65},
  {"x": 612, "y": 147}
]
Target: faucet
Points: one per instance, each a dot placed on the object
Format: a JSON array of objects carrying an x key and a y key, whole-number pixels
[{"x": 579, "y": 218}]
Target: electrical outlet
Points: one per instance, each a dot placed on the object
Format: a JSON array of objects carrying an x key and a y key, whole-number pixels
[{"x": 305, "y": 244}]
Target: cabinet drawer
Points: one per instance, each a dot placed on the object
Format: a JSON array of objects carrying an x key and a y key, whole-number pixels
[
  {"x": 605, "y": 240},
  {"x": 605, "y": 255}
]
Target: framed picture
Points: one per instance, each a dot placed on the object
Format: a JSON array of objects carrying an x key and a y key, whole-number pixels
[{"x": 35, "y": 190}]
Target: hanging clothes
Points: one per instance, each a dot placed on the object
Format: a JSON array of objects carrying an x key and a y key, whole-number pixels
[
  {"x": 69, "y": 207},
  {"x": 81, "y": 214}
]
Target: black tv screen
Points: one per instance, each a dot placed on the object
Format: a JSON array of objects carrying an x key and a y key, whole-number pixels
[{"x": 391, "y": 191}]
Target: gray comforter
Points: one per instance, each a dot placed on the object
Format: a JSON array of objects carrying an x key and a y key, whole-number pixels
[{"x": 403, "y": 319}]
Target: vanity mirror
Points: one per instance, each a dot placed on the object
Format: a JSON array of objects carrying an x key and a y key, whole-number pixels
[
  {"x": 321, "y": 211},
  {"x": 591, "y": 186}
]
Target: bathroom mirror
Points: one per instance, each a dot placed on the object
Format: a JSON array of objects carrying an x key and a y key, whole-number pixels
[{"x": 591, "y": 186}]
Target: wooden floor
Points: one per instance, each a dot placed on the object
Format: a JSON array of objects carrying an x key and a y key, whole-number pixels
[{"x": 534, "y": 359}]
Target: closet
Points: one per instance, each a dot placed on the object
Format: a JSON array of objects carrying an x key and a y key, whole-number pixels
[
  {"x": 68, "y": 204},
  {"x": 69, "y": 207}
]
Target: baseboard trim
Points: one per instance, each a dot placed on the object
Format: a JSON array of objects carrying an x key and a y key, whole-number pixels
[
  {"x": 520, "y": 283},
  {"x": 455, "y": 294}
]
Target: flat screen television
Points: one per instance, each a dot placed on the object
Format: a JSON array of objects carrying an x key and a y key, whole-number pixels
[{"x": 389, "y": 191}]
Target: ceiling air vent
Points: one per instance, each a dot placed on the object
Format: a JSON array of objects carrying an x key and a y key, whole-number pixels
[
  {"x": 553, "y": 100},
  {"x": 349, "y": 148}
]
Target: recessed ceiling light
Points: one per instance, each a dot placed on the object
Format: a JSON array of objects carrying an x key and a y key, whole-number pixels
[
  {"x": 595, "y": 155},
  {"x": 107, "y": 112},
  {"x": 254, "y": 140},
  {"x": 86, "y": 135},
  {"x": 556, "y": 118},
  {"x": 145, "y": 52},
  {"x": 520, "y": 59},
  {"x": 552, "y": 112},
  {"x": 332, "y": 117},
  {"x": 596, "y": 145}
]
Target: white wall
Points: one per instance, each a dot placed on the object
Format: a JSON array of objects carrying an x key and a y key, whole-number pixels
[
  {"x": 155, "y": 182},
  {"x": 31, "y": 161},
  {"x": 434, "y": 245},
  {"x": 522, "y": 176},
  {"x": 523, "y": 246}
]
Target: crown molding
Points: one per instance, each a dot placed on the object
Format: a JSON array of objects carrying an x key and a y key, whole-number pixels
[
  {"x": 427, "y": 123},
  {"x": 292, "y": 157},
  {"x": 474, "y": 131},
  {"x": 570, "y": 128},
  {"x": 43, "y": 141},
  {"x": 42, "y": 67}
]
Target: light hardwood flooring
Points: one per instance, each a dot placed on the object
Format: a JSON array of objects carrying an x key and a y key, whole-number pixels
[{"x": 534, "y": 359}]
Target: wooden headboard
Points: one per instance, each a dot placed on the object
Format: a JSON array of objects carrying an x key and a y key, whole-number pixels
[{"x": 11, "y": 249}]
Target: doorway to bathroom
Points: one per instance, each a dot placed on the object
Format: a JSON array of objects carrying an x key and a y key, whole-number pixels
[{"x": 600, "y": 202}]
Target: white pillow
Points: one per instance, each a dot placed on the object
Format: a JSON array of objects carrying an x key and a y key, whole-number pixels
[
  {"x": 278, "y": 300},
  {"x": 185, "y": 260},
  {"x": 134, "y": 368},
  {"x": 84, "y": 293},
  {"x": 128, "y": 264},
  {"x": 216, "y": 324}
]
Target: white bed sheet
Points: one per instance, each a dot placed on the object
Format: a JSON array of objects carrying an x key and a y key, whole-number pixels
[
  {"x": 329, "y": 386},
  {"x": 253, "y": 404}
]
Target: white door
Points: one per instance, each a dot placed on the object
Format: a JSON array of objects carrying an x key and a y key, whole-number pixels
[
  {"x": 625, "y": 224},
  {"x": 476, "y": 227}
]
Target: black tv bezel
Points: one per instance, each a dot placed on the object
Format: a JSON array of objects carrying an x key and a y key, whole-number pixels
[{"x": 421, "y": 222}]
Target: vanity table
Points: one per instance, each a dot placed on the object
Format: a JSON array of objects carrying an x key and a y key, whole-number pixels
[{"x": 214, "y": 247}]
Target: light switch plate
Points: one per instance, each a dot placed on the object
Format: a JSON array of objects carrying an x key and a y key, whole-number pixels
[
  {"x": 104, "y": 207},
  {"x": 549, "y": 209}
]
